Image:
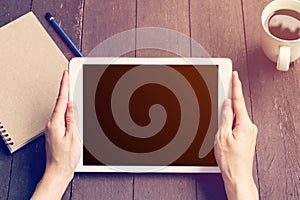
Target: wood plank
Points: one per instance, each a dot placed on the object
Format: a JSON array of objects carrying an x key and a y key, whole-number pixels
[
  {"x": 9, "y": 10},
  {"x": 27, "y": 169},
  {"x": 171, "y": 14},
  {"x": 5, "y": 166},
  {"x": 102, "y": 186},
  {"x": 103, "y": 19},
  {"x": 164, "y": 186},
  {"x": 275, "y": 99},
  {"x": 222, "y": 35},
  {"x": 28, "y": 163},
  {"x": 69, "y": 16},
  {"x": 210, "y": 186}
]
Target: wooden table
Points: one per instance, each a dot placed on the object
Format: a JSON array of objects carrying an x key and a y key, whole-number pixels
[{"x": 228, "y": 28}]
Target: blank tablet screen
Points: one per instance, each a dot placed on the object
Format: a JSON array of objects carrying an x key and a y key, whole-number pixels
[{"x": 145, "y": 115}]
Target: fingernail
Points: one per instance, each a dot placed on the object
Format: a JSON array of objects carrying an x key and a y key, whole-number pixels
[{"x": 236, "y": 74}]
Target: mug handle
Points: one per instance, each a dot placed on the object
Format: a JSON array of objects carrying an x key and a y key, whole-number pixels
[{"x": 284, "y": 58}]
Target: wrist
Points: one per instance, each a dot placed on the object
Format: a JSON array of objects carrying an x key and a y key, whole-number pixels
[
  {"x": 52, "y": 185},
  {"x": 237, "y": 177},
  {"x": 60, "y": 177},
  {"x": 58, "y": 173},
  {"x": 242, "y": 187}
]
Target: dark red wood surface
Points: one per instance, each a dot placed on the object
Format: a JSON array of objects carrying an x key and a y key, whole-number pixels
[{"x": 228, "y": 28}]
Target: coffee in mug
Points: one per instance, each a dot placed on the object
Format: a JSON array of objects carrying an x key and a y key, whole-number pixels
[{"x": 280, "y": 35}]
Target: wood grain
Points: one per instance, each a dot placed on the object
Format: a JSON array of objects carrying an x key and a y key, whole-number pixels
[
  {"x": 210, "y": 186},
  {"x": 27, "y": 169},
  {"x": 224, "y": 29},
  {"x": 275, "y": 100},
  {"x": 218, "y": 28},
  {"x": 164, "y": 186},
  {"x": 165, "y": 14},
  {"x": 9, "y": 11},
  {"x": 170, "y": 14},
  {"x": 5, "y": 166},
  {"x": 32, "y": 157},
  {"x": 68, "y": 15},
  {"x": 102, "y": 186},
  {"x": 103, "y": 19}
]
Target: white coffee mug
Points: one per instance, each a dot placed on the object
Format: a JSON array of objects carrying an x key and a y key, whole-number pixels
[{"x": 279, "y": 50}]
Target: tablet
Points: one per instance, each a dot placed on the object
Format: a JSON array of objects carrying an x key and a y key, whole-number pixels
[{"x": 149, "y": 114}]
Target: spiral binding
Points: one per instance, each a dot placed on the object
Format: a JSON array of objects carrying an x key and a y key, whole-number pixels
[{"x": 5, "y": 136}]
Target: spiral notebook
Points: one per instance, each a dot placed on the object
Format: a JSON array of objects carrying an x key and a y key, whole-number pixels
[{"x": 31, "y": 66}]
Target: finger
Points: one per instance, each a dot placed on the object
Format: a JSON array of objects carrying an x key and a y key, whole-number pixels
[
  {"x": 62, "y": 99},
  {"x": 70, "y": 120},
  {"x": 238, "y": 101},
  {"x": 226, "y": 120},
  {"x": 75, "y": 113}
]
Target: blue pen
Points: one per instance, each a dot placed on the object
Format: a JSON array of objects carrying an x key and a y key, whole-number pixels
[{"x": 63, "y": 35}]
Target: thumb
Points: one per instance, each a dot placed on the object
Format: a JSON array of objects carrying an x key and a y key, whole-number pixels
[
  {"x": 70, "y": 121},
  {"x": 226, "y": 119}
]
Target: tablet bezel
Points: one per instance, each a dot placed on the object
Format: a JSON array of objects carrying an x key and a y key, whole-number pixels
[{"x": 224, "y": 81}]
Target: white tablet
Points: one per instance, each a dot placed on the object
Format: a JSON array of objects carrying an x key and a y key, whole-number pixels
[{"x": 149, "y": 114}]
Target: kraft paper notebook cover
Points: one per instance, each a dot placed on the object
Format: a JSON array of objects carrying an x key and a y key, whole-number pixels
[{"x": 31, "y": 67}]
